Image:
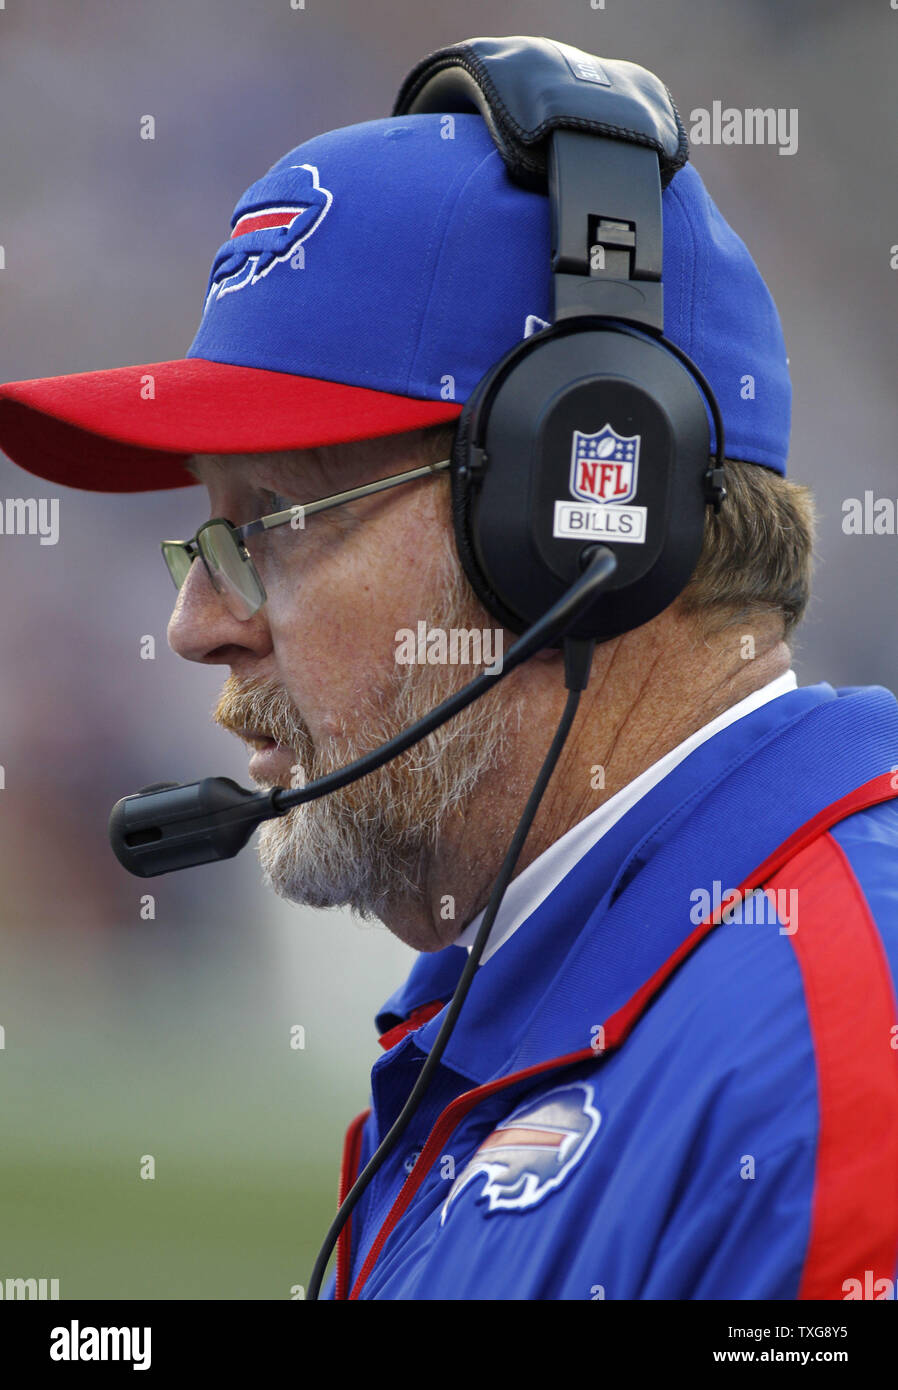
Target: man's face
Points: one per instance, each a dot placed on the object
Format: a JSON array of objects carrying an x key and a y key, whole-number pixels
[{"x": 314, "y": 678}]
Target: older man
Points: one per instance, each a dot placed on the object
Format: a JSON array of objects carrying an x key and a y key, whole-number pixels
[{"x": 674, "y": 1075}]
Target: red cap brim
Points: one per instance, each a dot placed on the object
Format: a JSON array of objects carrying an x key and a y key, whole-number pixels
[{"x": 132, "y": 429}]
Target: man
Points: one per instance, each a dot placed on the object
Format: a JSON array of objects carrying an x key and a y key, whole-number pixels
[{"x": 675, "y": 1074}]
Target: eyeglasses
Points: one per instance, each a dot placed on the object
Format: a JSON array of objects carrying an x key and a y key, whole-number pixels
[{"x": 222, "y": 546}]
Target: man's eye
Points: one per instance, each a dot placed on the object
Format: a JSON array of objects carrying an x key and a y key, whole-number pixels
[{"x": 276, "y": 503}]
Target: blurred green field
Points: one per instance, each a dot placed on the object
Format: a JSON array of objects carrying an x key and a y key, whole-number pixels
[
  {"x": 241, "y": 1234},
  {"x": 121, "y": 1046}
]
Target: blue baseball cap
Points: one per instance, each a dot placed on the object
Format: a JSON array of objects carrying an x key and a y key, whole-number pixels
[{"x": 370, "y": 279}]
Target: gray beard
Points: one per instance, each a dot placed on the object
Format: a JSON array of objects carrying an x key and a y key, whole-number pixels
[{"x": 372, "y": 842}]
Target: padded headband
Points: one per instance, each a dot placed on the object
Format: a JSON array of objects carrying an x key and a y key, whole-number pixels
[{"x": 526, "y": 88}]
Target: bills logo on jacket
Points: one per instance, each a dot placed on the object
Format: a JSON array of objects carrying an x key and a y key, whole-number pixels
[
  {"x": 532, "y": 1152},
  {"x": 603, "y": 477},
  {"x": 272, "y": 220}
]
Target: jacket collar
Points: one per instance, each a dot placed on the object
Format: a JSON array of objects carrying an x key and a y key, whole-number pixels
[
  {"x": 527, "y": 890},
  {"x": 625, "y": 907}
]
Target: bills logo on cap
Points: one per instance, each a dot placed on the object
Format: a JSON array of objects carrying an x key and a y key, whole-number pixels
[
  {"x": 272, "y": 220},
  {"x": 531, "y": 1153},
  {"x": 603, "y": 477}
]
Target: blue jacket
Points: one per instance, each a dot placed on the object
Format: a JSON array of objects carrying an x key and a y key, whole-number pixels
[{"x": 665, "y": 1085}]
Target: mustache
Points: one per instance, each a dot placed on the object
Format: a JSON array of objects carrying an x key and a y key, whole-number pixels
[{"x": 265, "y": 708}]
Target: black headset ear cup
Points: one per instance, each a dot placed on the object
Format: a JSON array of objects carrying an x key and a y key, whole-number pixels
[
  {"x": 521, "y": 515},
  {"x": 465, "y": 469}
]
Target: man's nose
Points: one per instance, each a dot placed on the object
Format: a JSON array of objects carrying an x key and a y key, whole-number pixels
[{"x": 202, "y": 628}]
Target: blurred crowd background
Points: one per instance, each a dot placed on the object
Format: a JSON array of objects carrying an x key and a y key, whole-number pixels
[{"x": 170, "y": 1036}]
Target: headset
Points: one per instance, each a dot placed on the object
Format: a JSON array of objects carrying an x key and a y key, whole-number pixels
[{"x": 580, "y": 469}]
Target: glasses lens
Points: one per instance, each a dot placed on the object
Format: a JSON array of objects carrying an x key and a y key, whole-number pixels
[
  {"x": 231, "y": 570},
  {"x": 178, "y": 561}
]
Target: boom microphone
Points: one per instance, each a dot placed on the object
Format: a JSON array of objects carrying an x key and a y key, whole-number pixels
[{"x": 168, "y": 826}]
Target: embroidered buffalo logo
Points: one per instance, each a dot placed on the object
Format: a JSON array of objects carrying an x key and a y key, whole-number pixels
[
  {"x": 272, "y": 220},
  {"x": 604, "y": 465},
  {"x": 531, "y": 1153}
]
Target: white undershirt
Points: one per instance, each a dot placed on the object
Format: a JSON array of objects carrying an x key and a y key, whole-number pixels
[{"x": 525, "y": 893}]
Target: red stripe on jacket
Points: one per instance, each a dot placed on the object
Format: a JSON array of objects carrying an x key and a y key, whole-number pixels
[
  {"x": 352, "y": 1152},
  {"x": 851, "y": 1008}
]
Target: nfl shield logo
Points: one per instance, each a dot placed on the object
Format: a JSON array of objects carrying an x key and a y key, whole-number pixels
[{"x": 603, "y": 465}]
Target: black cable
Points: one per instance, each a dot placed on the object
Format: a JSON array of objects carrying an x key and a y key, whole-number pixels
[
  {"x": 169, "y": 826},
  {"x": 577, "y": 661},
  {"x": 598, "y": 566}
]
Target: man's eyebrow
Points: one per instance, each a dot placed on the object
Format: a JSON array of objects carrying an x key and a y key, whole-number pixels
[{"x": 282, "y": 468}]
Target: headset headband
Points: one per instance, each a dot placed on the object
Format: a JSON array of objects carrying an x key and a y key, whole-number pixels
[{"x": 547, "y": 105}]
